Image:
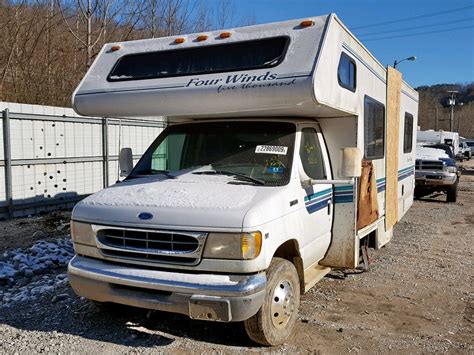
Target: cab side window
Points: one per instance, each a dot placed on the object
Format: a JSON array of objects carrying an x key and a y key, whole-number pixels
[
  {"x": 311, "y": 154},
  {"x": 347, "y": 72}
]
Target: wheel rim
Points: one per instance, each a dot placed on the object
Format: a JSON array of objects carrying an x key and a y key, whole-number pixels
[{"x": 283, "y": 304}]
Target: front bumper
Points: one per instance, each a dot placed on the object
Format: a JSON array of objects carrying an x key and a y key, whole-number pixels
[
  {"x": 434, "y": 178},
  {"x": 222, "y": 298}
]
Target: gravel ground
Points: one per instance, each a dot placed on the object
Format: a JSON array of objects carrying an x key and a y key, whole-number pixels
[{"x": 416, "y": 298}]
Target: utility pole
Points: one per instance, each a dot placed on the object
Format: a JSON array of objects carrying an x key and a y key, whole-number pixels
[
  {"x": 452, "y": 102},
  {"x": 459, "y": 117}
]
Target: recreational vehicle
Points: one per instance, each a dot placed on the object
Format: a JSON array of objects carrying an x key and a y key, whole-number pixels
[
  {"x": 290, "y": 151},
  {"x": 442, "y": 137}
]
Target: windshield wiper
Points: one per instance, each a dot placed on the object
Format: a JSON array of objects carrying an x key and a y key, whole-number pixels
[
  {"x": 155, "y": 171},
  {"x": 231, "y": 173}
]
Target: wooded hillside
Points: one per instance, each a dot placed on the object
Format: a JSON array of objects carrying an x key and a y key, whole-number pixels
[
  {"x": 434, "y": 110},
  {"x": 46, "y": 46}
]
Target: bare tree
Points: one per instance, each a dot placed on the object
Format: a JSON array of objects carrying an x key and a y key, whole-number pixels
[
  {"x": 225, "y": 14},
  {"x": 94, "y": 15}
]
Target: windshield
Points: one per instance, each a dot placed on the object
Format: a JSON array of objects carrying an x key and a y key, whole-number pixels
[{"x": 262, "y": 151}]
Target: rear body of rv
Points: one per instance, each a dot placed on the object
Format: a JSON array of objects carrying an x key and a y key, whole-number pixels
[
  {"x": 257, "y": 188},
  {"x": 442, "y": 137}
]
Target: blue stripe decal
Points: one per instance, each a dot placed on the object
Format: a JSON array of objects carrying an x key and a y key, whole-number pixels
[
  {"x": 402, "y": 174},
  {"x": 344, "y": 194},
  {"x": 317, "y": 206},
  {"x": 317, "y": 194},
  {"x": 318, "y": 200},
  {"x": 344, "y": 199}
]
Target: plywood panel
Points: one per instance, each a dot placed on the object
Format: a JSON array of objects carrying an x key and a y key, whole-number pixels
[
  {"x": 394, "y": 85},
  {"x": 367, "y": 206}
]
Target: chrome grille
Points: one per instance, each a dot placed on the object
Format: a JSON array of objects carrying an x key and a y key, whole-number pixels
[
  {"x": 152, "y": 246},
  {"x": 429, "y": 165}
]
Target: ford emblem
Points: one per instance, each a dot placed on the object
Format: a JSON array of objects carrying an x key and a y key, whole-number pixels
[{"x": 145, "y": 216}]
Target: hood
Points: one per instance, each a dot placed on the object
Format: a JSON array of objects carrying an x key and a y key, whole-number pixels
[
  {"x": 208, "y": 201},
  {"x": 426, "y": 153}
]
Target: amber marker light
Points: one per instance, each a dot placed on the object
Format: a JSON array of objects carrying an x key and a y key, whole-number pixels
[
  {"x": 202, "y": 38},
  {"x": 224, "y": 35},
  {"x": 115, "y": 48},
  {"x": 179, "y": 40},
  {"x": 307, "y": 23}
]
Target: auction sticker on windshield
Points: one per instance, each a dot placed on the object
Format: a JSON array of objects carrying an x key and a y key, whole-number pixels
[{"x": 271, "y": 149}]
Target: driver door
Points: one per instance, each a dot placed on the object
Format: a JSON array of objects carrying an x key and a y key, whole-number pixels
[{"x": 318, "y": 198}]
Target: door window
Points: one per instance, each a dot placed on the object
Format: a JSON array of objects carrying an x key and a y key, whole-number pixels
[{"x": 311, "y": 155}]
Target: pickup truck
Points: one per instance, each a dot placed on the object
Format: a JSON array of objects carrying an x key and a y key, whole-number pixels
[
  {"x": 464, "y": 151},
  {"x": 436, "y": 171}
]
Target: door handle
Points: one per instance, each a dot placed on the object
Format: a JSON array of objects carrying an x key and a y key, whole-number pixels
[{"x": 329, "y": 207}]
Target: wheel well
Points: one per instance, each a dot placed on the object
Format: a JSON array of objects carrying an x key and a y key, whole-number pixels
[{"x": 290, "y": 251}]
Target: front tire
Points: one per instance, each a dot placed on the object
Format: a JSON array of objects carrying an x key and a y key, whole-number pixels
[
  {"x": 274, "y": 322},
  {"x": 452, "y": 193}
]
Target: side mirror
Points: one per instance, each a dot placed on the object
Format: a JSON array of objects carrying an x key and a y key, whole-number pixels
[
  {"x": 125, "y": 161},
  {"x": 351, "y": 162}
]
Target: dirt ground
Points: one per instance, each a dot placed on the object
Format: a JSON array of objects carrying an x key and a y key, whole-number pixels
[
  {"x": 417, "y": 297},
  {"x": 23, "y": 232}
]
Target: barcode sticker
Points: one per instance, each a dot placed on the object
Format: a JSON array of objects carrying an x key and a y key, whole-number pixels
[{"x": 271, "y": 149}]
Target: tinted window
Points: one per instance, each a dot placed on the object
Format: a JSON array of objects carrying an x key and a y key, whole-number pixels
[
  {"x": 408, "y": 133},
  {"x": 311, "y": 155},
  {"x": 374, "y": 128},
  {"x": 346, "y": 72},
  {"x": 247, "y": 55}
]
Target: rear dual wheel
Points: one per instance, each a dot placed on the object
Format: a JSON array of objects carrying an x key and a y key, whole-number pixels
[{"x": 275, "y": 321}]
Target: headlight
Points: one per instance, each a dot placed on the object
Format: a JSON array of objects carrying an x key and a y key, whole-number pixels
[
  {"x": 235, "y": 246},
  {"x": 452, "y": 169},
  {"x": 82, "y": 233}
]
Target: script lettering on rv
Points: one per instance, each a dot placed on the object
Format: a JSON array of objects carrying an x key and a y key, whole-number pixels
[{"x": 242, "y": 81}]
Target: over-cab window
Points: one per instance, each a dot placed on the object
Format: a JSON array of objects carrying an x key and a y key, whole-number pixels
[
  {"x": 229, "y": 57},
  {"x": 374, "y": 129},
  {"x": 408, "y": 133},
  {"x": 311, "y": 154},
  {"x": 346, "y": 72}
]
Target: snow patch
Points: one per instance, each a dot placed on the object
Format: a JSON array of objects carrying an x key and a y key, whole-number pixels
[
  {"x": 186, "y": 191},
  {"x": 26, "y": 274}
]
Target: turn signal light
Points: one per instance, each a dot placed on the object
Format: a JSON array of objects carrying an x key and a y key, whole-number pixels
[
  {"x": 179, "y": 40},
  {"x": 115, "y": 48},
  {"x": 307, "y": 23},
  {"x": 225, "y": 35},
  {"x": 251, "y": 245},
  {"x": 202, "y": 38}
]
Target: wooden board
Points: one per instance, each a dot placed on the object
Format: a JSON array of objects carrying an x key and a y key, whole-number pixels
[
  {"x": 367, "y": 206},
  {"x": 394, "y": 85}
]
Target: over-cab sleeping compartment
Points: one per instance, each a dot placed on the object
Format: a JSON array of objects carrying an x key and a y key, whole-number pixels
[{"x": 257, "y": 70}]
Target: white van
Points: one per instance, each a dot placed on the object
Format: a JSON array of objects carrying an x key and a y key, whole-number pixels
[{"x": 289, "y": 151}]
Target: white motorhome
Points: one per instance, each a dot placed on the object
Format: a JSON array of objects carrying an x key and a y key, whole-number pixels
[
  {"x": 443, "y": 137},
  {"x": 290, "y": 151}
]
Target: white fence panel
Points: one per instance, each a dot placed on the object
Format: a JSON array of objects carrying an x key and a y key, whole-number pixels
[{"x": 57, "y": 157}]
